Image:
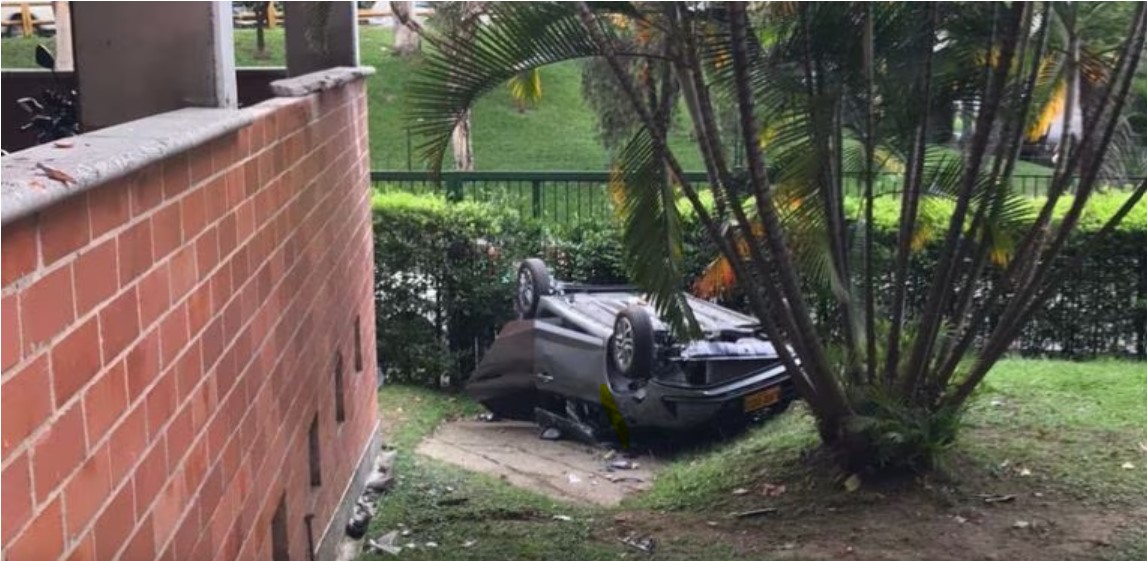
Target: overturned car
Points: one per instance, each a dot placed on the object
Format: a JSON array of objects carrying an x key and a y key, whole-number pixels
[{"x": 598, "y": 358}]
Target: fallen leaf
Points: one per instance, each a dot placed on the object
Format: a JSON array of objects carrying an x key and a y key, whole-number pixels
[
  {"x": 852, "y": 483},
  {"x": 772, "y": 489},
  {"x": 1128, "y": 465},
  {"x": 740, "y": 491},
  {"x": 56, "y": 174},
  {"x": 1025, "y": 472}
]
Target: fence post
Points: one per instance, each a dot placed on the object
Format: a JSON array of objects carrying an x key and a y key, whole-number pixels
[
  {"x": 536, "y": 188},
  {"x": 453, "y": 188}
]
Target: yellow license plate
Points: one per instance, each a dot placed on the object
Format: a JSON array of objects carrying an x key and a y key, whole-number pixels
[{"x": 762, "y": 399}]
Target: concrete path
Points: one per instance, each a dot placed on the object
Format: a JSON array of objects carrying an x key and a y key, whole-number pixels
[{"x": 562, "y": 469}]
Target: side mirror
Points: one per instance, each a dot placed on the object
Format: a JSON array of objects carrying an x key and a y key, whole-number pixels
[{"x": 44, "y": 58}]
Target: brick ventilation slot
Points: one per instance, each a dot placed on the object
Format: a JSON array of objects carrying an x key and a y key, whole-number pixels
[
  {"x": 316, "y": 459},
  {"x": 280, "y": 545},
  {"x": 357, "y": 344},
  {"x": 340, "y": 402}
]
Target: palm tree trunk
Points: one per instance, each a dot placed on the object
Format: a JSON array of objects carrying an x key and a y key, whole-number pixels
[{"x": 463, "y": 149}]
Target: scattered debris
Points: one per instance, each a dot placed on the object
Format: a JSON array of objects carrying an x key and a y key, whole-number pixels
[
  {"x": 64, "y": 143},
  {"x": 385, "y": 543},
  {"x": 488, "y": 417},
  {"x": 1025, "y": 472},
  {"x": 609, "y": 455},
  {"x": 996, "y": 402},
  {"x": 644, "y": 543},
  {"x": 623, "y": 479},
  {"x": 1022, "y": 524},
  {"x": 1143, "y": 447},
  {"x": 852, "y": 483},
  {"x": 998, "y": 498},
  {"x": 789, "y": 546},
  {"x": 960, "y": 519},
  {"x": 469, "y": 543},
  {"x": 1128, "y": 465},
  {"x": 56, "y": 174},
  {"x": 739, "y": 491},
  {"x": 573, "y": 478},
  {"x": 772, "y": 489},
  {"x": 380, "y": 482},
  {"x": 562, "y": 517},
  {"x": 711, "y": 523},
  {"x": 755, "y": 512},
  {"x": 621, "y": 463},
  {"x": 356, "y": 526},
  {"x": 431, "y": 545},
  {"x": 405, "y": 532},
  {"x": 551, "y": 433}
]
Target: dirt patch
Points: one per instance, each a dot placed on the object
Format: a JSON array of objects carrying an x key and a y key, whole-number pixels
[
  {"x": 980, "y": 521},
  {"x": 562, "y": 469}
]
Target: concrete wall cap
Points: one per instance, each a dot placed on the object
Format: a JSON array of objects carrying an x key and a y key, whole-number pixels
[
  {"x": 43, "y": 175},
  {"x": 322, "y": 80}
]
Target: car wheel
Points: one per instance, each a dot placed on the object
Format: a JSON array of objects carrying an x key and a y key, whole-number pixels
[
  {"x": 631, "y": 345},
  {"x": 533, "y": 283}
]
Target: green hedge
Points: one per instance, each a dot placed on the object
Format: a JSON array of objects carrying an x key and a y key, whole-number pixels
[{"x": 445, "y": 272}]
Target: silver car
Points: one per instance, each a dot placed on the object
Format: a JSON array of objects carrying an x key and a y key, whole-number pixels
[{"x": 598, "y": 358}]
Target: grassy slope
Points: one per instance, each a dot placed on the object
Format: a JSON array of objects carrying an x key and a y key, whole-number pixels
[{"x": 1072, "y": 424}]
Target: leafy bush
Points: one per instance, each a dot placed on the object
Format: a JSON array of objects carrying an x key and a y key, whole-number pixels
[{"x": 445, "y": 272}]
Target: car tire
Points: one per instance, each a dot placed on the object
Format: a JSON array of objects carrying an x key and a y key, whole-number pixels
[
  {"x": 631, "y": 345},
  {"x": 533, "y": 282}
]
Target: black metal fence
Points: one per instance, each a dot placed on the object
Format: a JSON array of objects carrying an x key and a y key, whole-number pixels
[{"x": 572, "y": 197}]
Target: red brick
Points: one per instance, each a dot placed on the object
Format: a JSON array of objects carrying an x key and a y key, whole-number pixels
[
  {"x": 141, "y": 547},
  {"x": 142, "y": 364},
  {"x": 85, "y": 551},
  {"x": 21, "y": 254},
  {"x": 75, "y": 360},
  {"x": 150, "y": 475},
  {"x": 42, "y": 539},
  {"x": 119, "y": 323},
  {"x": 161, "y": 402},
  {"x": 176, "y": 176},
  {"x": 200, "y": 160},
  {"x": 189, "y": 371},
  {"x": 154, "y": 295},
  {"x": 170, "y": 503},
  {"x": 95, "y": 275},
  {"x": 17, "y": 503},
  {"x": 146, "y": 189},
  {"x": 134, "y": 246},
  {"x": 207, "y": 251},
  {"x": 10, "y": 332},
  {"x": 167, "y": 230},
  {"x": 215, "y": 194},
  {"x": 194, "y": 210},
  {"x": 58, "y": 452},
  {"x": 46, "y": 308},
  {"x": 183, "y": 545},
  {"x": 173, "y": 335},
  {"x": 105, "y": 400},
  {"x": 129, "y": 441},
  {"x": 180, "y": 430},
  {"x": 109, "y": 206},
  {"x": 183, "y": 272},
  {"x": 63, "y": 229},
  {"x": 199, "y": 309},
  {"x": 86, "y": 492},
  {"x": 115, "y": 523},
  {"x": 26, "y": 404}
]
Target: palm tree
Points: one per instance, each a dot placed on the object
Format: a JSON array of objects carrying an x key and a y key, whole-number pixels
[{"x": 817, "y": 89}]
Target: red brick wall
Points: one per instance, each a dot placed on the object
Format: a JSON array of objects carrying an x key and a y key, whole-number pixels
[{"x": 168, "y": 338}]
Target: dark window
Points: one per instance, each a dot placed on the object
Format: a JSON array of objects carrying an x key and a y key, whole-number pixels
[
  {"x": 357, "y": 344},
  {"x": 280, "y": 546},
  {"x": 316, "y": 457},
  {"x": 340, "y": 405}
]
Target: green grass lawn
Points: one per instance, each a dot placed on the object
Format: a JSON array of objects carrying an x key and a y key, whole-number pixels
[{"x": 1059, "y": 430}]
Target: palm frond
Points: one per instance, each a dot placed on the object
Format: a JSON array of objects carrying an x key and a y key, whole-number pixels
[
  {"x": 646, "y": 205},
  {"x": 518, "y": 37}
]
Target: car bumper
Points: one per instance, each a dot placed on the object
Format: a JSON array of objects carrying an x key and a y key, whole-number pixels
[{"x": 671, "y": 406}]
